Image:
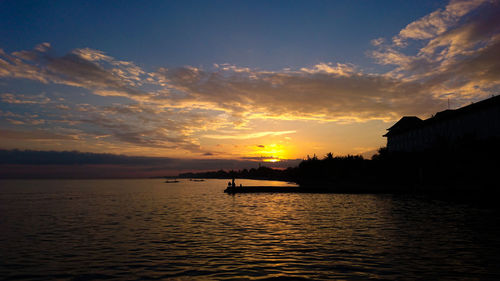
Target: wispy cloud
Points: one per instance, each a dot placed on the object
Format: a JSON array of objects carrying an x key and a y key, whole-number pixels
[
  {"x": 437, "y": 22},
  {"x": 249, "y": 136},
  {"x": 339, "y": 69},
  {"x": 24, "y": 99},
  {"x": 460, "y": 54}
]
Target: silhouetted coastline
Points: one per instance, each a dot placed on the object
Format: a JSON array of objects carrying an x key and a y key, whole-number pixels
[
  {"x": 465, "y": 166},
  {"x": 261, "y": 173}
]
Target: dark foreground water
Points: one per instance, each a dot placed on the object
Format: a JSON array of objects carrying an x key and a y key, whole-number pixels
[{"x": 147, "y": 229}]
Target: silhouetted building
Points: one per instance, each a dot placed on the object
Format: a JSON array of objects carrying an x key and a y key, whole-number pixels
[{"x": 477, "y": 121}]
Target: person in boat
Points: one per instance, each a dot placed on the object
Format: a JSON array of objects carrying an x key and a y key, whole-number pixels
[{"x": 233, "y": 184}]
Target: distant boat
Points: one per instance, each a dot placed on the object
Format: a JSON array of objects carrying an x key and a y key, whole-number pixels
[
  {"x": 197, "y": 180},
  {"x": 171, "y": 181}
]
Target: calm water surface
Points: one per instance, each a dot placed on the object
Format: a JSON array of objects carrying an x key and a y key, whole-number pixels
[{"x": 147, "y": 229}]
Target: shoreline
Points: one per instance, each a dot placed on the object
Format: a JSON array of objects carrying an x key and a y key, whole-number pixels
[{"x": 350, "y": 188}]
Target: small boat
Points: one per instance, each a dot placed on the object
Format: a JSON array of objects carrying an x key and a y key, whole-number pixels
[
  {"x": 171, "y": 181},
  {"x": 197, "y": 180}
]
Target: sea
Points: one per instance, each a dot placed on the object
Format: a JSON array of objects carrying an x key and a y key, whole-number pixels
[{"x": 146, "y": 229}]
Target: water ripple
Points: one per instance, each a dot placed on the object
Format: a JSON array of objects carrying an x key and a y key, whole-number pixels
[{"x": 147, "y": 230}]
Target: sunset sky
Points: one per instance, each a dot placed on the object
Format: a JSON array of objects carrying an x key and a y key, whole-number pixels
[{"x": 236, "y": 80}]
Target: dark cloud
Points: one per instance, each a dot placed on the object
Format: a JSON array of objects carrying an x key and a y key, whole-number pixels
[
  {"x": 74, "y": 70},
  {"x": 79, "y": 68},
  {"x": 35, "y": 135},
  {"x": 53, "y": 164},
  {"x": 33, "y": 157}
]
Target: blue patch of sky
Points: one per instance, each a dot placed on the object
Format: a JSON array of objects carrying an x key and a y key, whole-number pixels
[{"x": 268, "y": 35}]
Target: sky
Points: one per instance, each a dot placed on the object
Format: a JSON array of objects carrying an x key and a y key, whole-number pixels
[{"x": 231, "y": 84}]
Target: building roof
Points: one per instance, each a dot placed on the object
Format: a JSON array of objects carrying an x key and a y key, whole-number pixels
[
  {"x": 411, "y": 122},
  {"x": 405, "y": 123}
]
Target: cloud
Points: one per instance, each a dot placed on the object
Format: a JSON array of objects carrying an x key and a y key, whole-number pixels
[
  {"x": 21, "y": 118},
  {"x": 35, "y": 157},
  {"x": 36, "y": 135},
  {"x": 339, "y": 69},
  {"x": 437, "y": 22},
  {"x": 86, "y": 68},
  {"x": 378, "y": 41},
  {"x": 477, "y": 32},
  {"x": 302, "y": 95},
  {"x": 24, "y": 99},
  {"x": 75, "y": 164},
  {"x": 16, "y": 65},
  {"x": 135, "y": 124},
  {"x": 249, "y": 136},
  {"x": 92, "y": 55},
  {"x": 149, "y": 126},
  {"x": 459, "y": 56},
  {"x": 390, "y": 56}
]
